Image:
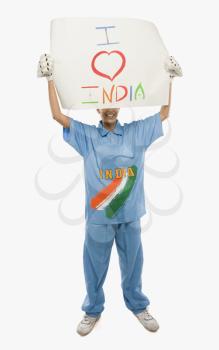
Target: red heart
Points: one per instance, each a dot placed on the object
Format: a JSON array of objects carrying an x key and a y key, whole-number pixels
[{"x": 108, "y": 53}]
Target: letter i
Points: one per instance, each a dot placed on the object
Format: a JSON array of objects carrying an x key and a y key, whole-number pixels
[{"x": 130, "y": 92}]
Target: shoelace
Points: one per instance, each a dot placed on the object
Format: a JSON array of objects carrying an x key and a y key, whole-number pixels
[
  {"x": 86, "y": 320},
  {"x": 147, "y": 316}
]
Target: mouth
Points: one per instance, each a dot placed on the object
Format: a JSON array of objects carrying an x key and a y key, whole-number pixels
[{"x": 110, "y": 115}]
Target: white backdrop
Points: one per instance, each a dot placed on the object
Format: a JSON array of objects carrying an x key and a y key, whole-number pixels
[{"x": 42, "y": 284}]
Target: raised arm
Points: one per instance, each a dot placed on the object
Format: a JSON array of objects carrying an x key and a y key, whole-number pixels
[
  {"x": 164, "y": 111},
  {"x": 174, "y": 70},
  {"x": 45, "y": 69},
  {"x": 54, "y": 106}
]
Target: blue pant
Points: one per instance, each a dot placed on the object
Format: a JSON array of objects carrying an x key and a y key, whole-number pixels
[{"x": 98, "y": 244}]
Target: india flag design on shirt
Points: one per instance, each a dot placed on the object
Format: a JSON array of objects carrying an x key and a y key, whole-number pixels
[{"x": 112, "y": 197}]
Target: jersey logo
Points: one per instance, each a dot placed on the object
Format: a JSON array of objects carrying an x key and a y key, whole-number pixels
[{"x": 112, "y": 197}]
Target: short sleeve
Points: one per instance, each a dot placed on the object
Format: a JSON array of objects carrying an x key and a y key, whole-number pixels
[
  {"x": 148, "y": 130},
  {"x": 77, "y": 136}
]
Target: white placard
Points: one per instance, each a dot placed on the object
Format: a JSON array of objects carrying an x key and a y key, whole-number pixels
[{"x": 108, "y": 62}]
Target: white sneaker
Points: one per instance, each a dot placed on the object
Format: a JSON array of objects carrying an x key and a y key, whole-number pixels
[
  {"x": 87, "y": 324},
  {"x": 148, "y": 321}
]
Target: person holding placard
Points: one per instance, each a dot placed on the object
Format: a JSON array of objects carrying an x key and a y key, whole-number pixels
[{"x": 114, "y": 168}]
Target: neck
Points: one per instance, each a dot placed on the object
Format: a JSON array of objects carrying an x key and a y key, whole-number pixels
[{"x": 109, "y": 126}]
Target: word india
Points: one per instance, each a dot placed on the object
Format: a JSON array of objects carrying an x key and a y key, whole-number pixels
[
  {"x": 117, "y": 173},
  {"x": 114, "y": 93}
]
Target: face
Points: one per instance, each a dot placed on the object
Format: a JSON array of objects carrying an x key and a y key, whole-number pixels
[{"x": 108, "y": 115}]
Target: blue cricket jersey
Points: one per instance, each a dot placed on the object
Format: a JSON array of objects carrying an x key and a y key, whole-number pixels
[{"x": 114, "y": 166}]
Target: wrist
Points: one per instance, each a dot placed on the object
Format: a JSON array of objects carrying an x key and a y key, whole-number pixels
[{"x": 49, "y": 78}]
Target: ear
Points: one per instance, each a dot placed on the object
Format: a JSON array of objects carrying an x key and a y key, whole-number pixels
[{"x": 98, "y": 111}]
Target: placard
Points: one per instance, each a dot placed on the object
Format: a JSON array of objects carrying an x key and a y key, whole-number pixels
[{"x": 108, "y": 63}]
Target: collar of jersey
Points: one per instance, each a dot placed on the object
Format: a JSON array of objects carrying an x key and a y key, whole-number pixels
[{"x": 117, "y": 130}]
